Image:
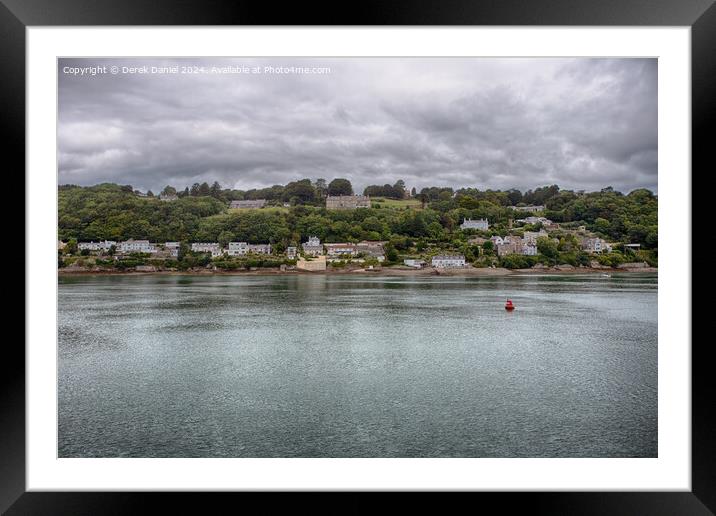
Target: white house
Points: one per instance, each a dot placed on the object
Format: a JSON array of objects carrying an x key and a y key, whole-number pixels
[
  {"x": 243, "y": 248},
  {"x": 497, "y": 240},
  {"x": 136, "y": 246},
  {"x": 291, "y": 252},
  {"x": 341, "y": 249},
  {"x": 445, "y": 261},
  {"x": 96, "y": 246},
  {"x": 475, "y": 224}
]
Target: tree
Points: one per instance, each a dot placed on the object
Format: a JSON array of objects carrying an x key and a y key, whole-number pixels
[
  {"x": 215, "y": 190},
  {"x": 194, "y": 192},
  {"x": 71, "y": 247},
  {"x": 547, "y": 247},
  {"x": 150, "y": 193},
  {"x": 515, "y": 196},
  {"x": 168, "y": 190},
  {"x": 299, "y": 192},
  {"x": 225, "y": 237},
  {"x": 340, "y": 186},
  {"x": 321, "y": 188},
  {"x": 204, "y": 189},
  {"x": 399, "y": 189}
]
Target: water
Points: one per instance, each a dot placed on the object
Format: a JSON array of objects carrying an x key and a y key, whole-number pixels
[{"x": 347, "y": 366}]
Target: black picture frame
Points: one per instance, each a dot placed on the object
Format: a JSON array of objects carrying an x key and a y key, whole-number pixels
[{"x": 17, "y": 15}]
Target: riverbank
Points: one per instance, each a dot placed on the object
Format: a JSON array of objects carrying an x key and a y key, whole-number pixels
[{"x": 386, "y": 271}]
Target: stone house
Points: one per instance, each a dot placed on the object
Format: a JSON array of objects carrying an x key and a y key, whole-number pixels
[
  {"x": 475, "y": 224},
  {"x": 313, "y": 247},
  {"x": 347, "y": 202},
  {"x": 248, "y": 204}
]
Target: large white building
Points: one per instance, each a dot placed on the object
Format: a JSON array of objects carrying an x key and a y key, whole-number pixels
[
  {"x": 96, "y": 246},
  {"x": 341, "y": 249},
  {"x": 243, "y": 248},
  {"x": 475, "y": 224},
  {"x": 446, "y": 261},
  {"x": 136, "y": 246}
]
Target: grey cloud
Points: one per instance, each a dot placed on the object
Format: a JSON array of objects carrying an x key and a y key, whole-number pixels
[{"x": 486, "y": 123}]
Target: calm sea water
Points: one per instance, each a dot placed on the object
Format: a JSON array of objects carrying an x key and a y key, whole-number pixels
[{"x": 346, "y": 366}]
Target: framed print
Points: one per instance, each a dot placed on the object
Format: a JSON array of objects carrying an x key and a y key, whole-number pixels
[{"x": 409, "y": 250}]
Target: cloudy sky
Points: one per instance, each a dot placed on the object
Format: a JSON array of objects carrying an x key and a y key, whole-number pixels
[{"x": 479, "y": 122}]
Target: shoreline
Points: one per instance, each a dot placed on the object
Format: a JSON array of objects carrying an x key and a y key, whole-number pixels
[{"x": 429, "y": 272}]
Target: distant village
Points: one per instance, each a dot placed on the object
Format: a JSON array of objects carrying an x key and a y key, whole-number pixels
[{"x": 314, "y": 255}]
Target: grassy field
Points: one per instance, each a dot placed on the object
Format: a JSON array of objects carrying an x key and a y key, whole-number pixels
[{"x": 397, "y": 203}]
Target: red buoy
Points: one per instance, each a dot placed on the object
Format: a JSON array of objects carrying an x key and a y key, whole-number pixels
[{"x": 509, "y": 306}]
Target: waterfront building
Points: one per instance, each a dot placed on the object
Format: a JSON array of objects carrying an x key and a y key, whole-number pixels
[
  {"x": 475, "y": 224},
  {"x": 96, "y": 246},
  {"x": 529, "y": 249},
  {"x": 513, "y": 246},
  {"x": 136, "y": 246},
  {"x": 313, "y": 247},
  {"x": 446, "y": 261},
  {"x": 291, "y": 252},
  {"x": 243, "y": 248},
  {"x": 594, "y": 245},
  {"x": 347, "y": 202},
  {"x": 249, "y": 204},
  {"x": 341, "y": 249},
  {"x": 373, "y": 248}
]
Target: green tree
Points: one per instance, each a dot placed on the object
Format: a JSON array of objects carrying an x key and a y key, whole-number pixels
[
  {"x": 547, "y": 247},
  {"x": 340, "y": 186},
  {"x": 215, "y": 190}
]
